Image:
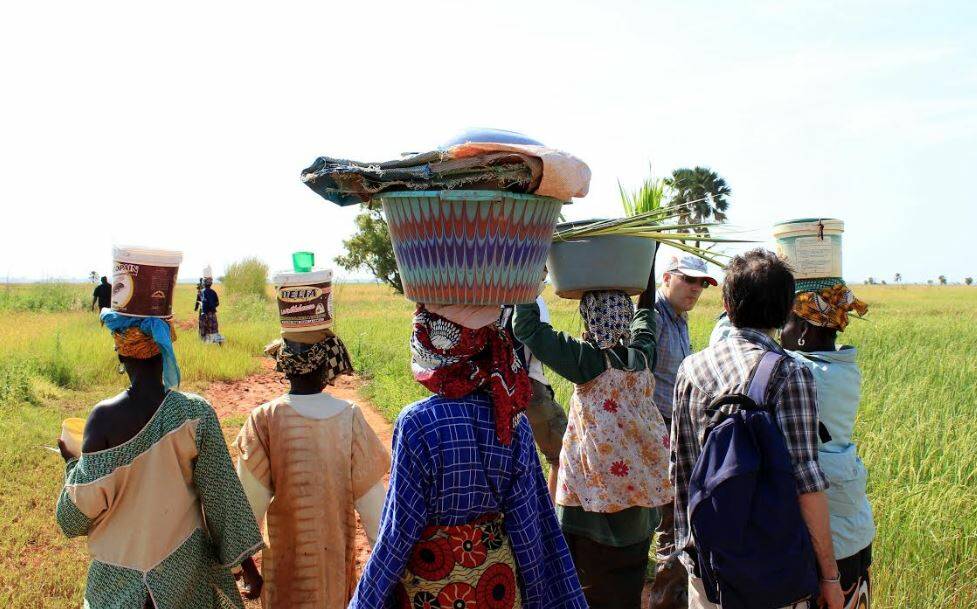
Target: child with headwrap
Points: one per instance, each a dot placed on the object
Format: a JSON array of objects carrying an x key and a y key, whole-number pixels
[
  {"x": 154, "y": 488},
  {"x": 308, "y": 460},
  {"x": 614, "y": 462},
  {"x": 468, "y": 519}
]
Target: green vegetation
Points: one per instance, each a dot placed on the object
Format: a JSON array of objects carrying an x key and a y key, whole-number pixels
[
  {"x": 45, "y": 297},
  {"x": 370, "y": 248},
  {"x": 248, "y": 277},
  {"x": 648, "y": 197},
  {"x": 915, "y": 429}
]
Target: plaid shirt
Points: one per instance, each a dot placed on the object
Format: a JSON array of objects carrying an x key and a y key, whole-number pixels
[
  {"x": 674, "y": 346},
  {"x": 727, "y": 367},
  {"x": 449, "y": 468}
]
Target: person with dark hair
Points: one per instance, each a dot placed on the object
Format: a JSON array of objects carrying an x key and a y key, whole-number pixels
[
  {"x": 102, "y": 294},
  {"x": 820, "y": 312},
  {"x": 758, "y": 294}
]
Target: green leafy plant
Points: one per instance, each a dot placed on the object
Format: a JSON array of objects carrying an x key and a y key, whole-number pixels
[
  {"x": 664, "y": 225},
  {"x": 648, "y": 197}
]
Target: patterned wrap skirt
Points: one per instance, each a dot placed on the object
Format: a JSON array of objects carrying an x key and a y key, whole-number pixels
[
  {"x": 208, "y": 324},
  {"x": 469, "y": 566}
]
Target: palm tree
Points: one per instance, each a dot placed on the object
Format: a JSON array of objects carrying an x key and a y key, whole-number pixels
[
  {"x": 898, "y": 278},
  {"x": 942, "y": 279},
  {"x": 93, "y": 276},
  {"x": 704, "y": 193}
]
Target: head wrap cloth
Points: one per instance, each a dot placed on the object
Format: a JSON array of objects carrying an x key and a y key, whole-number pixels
[
  {"x": 453, "y": 361},
  {"x": 295, "y": 358},
  {"x": 829, "y": 307},
  {"x": 143, "y": 338},
  {"x": 607, "y": 317}
]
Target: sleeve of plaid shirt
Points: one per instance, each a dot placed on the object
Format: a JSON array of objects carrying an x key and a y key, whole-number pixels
[
  {"x": 796, "y": 405},
  {"x": 684, "y": 446}
]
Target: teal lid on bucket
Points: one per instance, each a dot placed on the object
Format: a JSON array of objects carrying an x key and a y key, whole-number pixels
[
  {"x": 816, "y": 285},
  {"x": 302, "y": 262},
  {"x": 801, "y": 220}
]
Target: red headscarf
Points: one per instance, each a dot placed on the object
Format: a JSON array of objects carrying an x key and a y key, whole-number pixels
[{"x": 453, "y": 361}]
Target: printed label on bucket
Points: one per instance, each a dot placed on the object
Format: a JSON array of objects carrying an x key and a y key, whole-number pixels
[
  {"x": 142, "y": 289},
  {"x": 812, "y": 257},
  {"x": 305, "y": 307}
]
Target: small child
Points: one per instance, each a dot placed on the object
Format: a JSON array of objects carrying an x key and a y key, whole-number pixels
[{"x": 307, "y": 459}]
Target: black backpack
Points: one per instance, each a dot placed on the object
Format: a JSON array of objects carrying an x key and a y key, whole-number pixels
[{"x": 753, "y": 549}]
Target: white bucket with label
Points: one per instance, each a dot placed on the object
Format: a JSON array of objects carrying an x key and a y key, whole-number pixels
[
  {"x": 143, "y": 281},
  {"x": 304, "y": 300},
  {"x": 812, "y": 246}
]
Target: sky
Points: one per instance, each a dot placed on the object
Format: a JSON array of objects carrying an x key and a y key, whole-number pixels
[{"x": 185, "y": 125}]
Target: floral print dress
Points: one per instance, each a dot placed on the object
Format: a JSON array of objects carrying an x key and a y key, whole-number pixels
[{"x": 615, "y": 450}]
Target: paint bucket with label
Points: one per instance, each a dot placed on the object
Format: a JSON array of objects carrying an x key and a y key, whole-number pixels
[
  {"x": 304, "y": 300},
  {"x": 143, "y": 281},
  {"x": 812, "y": 247}
]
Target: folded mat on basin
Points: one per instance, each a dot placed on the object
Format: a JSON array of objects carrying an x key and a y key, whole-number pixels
[{"x": 471, "y": 166}]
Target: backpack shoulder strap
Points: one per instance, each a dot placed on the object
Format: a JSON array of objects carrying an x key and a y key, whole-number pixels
[{"x": 761, "y": 376}]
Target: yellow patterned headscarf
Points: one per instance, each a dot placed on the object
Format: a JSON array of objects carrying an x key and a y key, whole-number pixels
[
  {"x": 829, "y": 307},
  {"x": 132, "y": 342}
]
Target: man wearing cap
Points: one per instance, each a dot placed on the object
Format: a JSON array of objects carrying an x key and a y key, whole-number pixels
[{"x": 682, "y": 284}]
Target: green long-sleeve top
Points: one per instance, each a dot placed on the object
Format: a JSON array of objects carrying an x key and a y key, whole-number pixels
[{"x": 581, "y": 362}]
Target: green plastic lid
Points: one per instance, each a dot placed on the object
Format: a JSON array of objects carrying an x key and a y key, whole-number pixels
[{"x": 302, "y": 262}]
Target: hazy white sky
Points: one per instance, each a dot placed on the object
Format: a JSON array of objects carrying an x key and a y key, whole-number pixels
[{"x": 185, "y": 126}]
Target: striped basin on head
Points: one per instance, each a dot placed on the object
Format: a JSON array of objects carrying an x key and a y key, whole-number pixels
[{"x": 470, "y": 247}]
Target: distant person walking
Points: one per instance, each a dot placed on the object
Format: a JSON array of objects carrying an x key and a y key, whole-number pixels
[
  {"x": 102, "y": 295},
  {"x": 208, "y": 310}
]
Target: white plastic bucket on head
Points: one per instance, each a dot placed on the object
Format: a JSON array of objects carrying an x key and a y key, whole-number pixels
[
  {"x": 304, "y": 300},
  {"x": 812, "y": 246},
  {"x": 143, "y": 281}
]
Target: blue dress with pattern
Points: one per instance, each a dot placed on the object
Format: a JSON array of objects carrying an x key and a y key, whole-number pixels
[{"x": 449, "y": 468}]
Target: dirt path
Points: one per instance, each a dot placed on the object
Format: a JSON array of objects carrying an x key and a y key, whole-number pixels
[{"x": 231, "y": 398}]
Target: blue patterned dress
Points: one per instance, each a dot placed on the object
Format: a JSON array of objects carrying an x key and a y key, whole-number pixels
[{"x": 449, "y": 468}]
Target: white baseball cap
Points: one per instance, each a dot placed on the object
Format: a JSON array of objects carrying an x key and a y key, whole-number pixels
[{"x": 690, "y": 266}]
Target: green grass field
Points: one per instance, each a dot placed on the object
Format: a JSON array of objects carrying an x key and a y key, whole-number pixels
[{"x": 915, "y": 429}]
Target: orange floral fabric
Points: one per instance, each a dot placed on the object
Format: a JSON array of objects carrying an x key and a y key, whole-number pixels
[
  {"x": 615, "y": 450},
  {"x": 131, "y": 342},
  {"x": 829, "y": 308},
  {"x": 469, "y": 566}
]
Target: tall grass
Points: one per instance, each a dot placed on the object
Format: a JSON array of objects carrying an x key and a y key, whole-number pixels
[
  {"x": 915, "y": 429},
  {"x": 44, "y": 297},
  {"x": 248, "y": 277}
]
